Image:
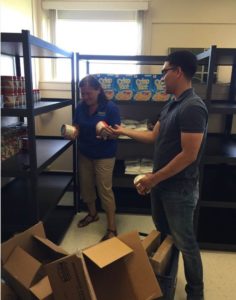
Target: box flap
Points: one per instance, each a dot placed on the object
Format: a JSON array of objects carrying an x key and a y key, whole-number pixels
[
  {"x": 161, "y": 259},
  {"x": 141, "y": 274},
  {"x": 107, "y": 252},
  {"x": 165, "y": 246},
  {"x": 151, "y": 242},
  {"x": 22, "y": 267},
  {"x": 24, "y": 240},
  {"x": 51, "y": 245},
  {"x": 42, "y": 289},
  {"x": 47, "y": 250}
]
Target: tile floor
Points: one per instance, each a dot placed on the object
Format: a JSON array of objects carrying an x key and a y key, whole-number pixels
[{"x": 219, "y": 267}]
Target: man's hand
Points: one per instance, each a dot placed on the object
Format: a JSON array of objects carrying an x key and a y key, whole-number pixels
[
  {"x": 117, "y": 130},
  {"x": 145, "y": 184}
]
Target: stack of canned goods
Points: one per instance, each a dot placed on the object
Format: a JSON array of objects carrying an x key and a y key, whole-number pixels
[
  {"x": 36, "y": 95},
  {"x": 13, "y": 91},
  {"x": 12, "y": 140}
]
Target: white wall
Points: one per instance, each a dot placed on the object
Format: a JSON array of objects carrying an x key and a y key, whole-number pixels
[
  {"x": 188, "y": 23},
  {"x": 16, "y": 15}
]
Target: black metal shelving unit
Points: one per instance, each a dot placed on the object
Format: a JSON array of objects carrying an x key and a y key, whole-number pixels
[
  {"x": 217, "y": 208},
  {"x": 33, "y": 193}
]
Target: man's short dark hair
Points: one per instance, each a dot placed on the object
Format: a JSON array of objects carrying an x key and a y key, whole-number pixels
[{"x": 184, "y": 59}]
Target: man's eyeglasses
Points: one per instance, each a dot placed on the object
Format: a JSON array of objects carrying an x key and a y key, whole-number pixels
[{"x": 165, "y": 71}]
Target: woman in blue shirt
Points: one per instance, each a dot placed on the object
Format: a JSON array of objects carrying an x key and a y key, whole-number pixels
[{"x": 96, "y": 155}]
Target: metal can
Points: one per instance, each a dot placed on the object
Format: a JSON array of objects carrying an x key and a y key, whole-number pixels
[
  {"x": 68, "y": 130},
  {"x": 137, "y": 178},
  {"x": 8, "y": 84},
  {"x": 23, "y": 143},
  {"x": 101, "y": 125},
  {"x": 9, "y": 100},
  {"x": 38, "y": 95},
  {"x": 19, "y": 99}
]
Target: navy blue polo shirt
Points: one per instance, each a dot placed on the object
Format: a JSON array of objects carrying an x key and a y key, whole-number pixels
[
  {"x": 89, "y": 144},
  {"x": 187, "y": 113}
]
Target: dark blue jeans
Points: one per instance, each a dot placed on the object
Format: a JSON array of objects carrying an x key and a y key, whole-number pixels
[{"x": 172, "y": 213}]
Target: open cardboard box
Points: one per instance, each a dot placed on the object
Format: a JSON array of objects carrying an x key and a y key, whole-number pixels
[
  {"x": 115, "y": 269},
  {"x": 118, "y": 268},
  {"x": 23, "y": 260}
]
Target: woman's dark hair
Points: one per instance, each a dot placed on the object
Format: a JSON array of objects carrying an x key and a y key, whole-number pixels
[
  {"x": 184, "y": 59},
  {"x": 91, "y": 81}
]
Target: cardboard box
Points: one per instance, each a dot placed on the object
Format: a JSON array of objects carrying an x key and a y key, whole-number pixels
[
  {"x": 161, "y": 259},
  {"x": 7, "y": 293},
  {"x": 69, "y": 279},
  {"x": 115, "y": 269},
  {"x": 151, "y": 242},
  {"x": 168, "y": 281},
  {"x": 164, "y": 260},
  {"x": 23, "y": 259}
]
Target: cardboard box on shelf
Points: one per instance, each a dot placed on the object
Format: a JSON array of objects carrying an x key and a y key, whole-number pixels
[
  {"x": 116, "y": 269},
  {"x": 23, "y": 260}
]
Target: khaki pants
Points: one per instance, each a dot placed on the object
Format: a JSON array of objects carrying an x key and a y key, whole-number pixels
[{"x": 97, "y": 173}]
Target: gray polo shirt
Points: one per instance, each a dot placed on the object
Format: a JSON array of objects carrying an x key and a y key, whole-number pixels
[{"x": 188, "y": 113}]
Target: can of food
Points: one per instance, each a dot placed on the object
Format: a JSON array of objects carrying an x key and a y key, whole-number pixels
[
  {"x": 68, "y": 130},
  {"x": 9, "y": 100},
  {"x": 137, "y": 178},
  {"x": 23, "y": 143},
  {"x": 8, "y": 82},
  {"x": 101, "y": 125}
]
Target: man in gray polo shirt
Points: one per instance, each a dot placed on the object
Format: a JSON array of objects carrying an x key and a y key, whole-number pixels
[{"x": 179, "y": 136}]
